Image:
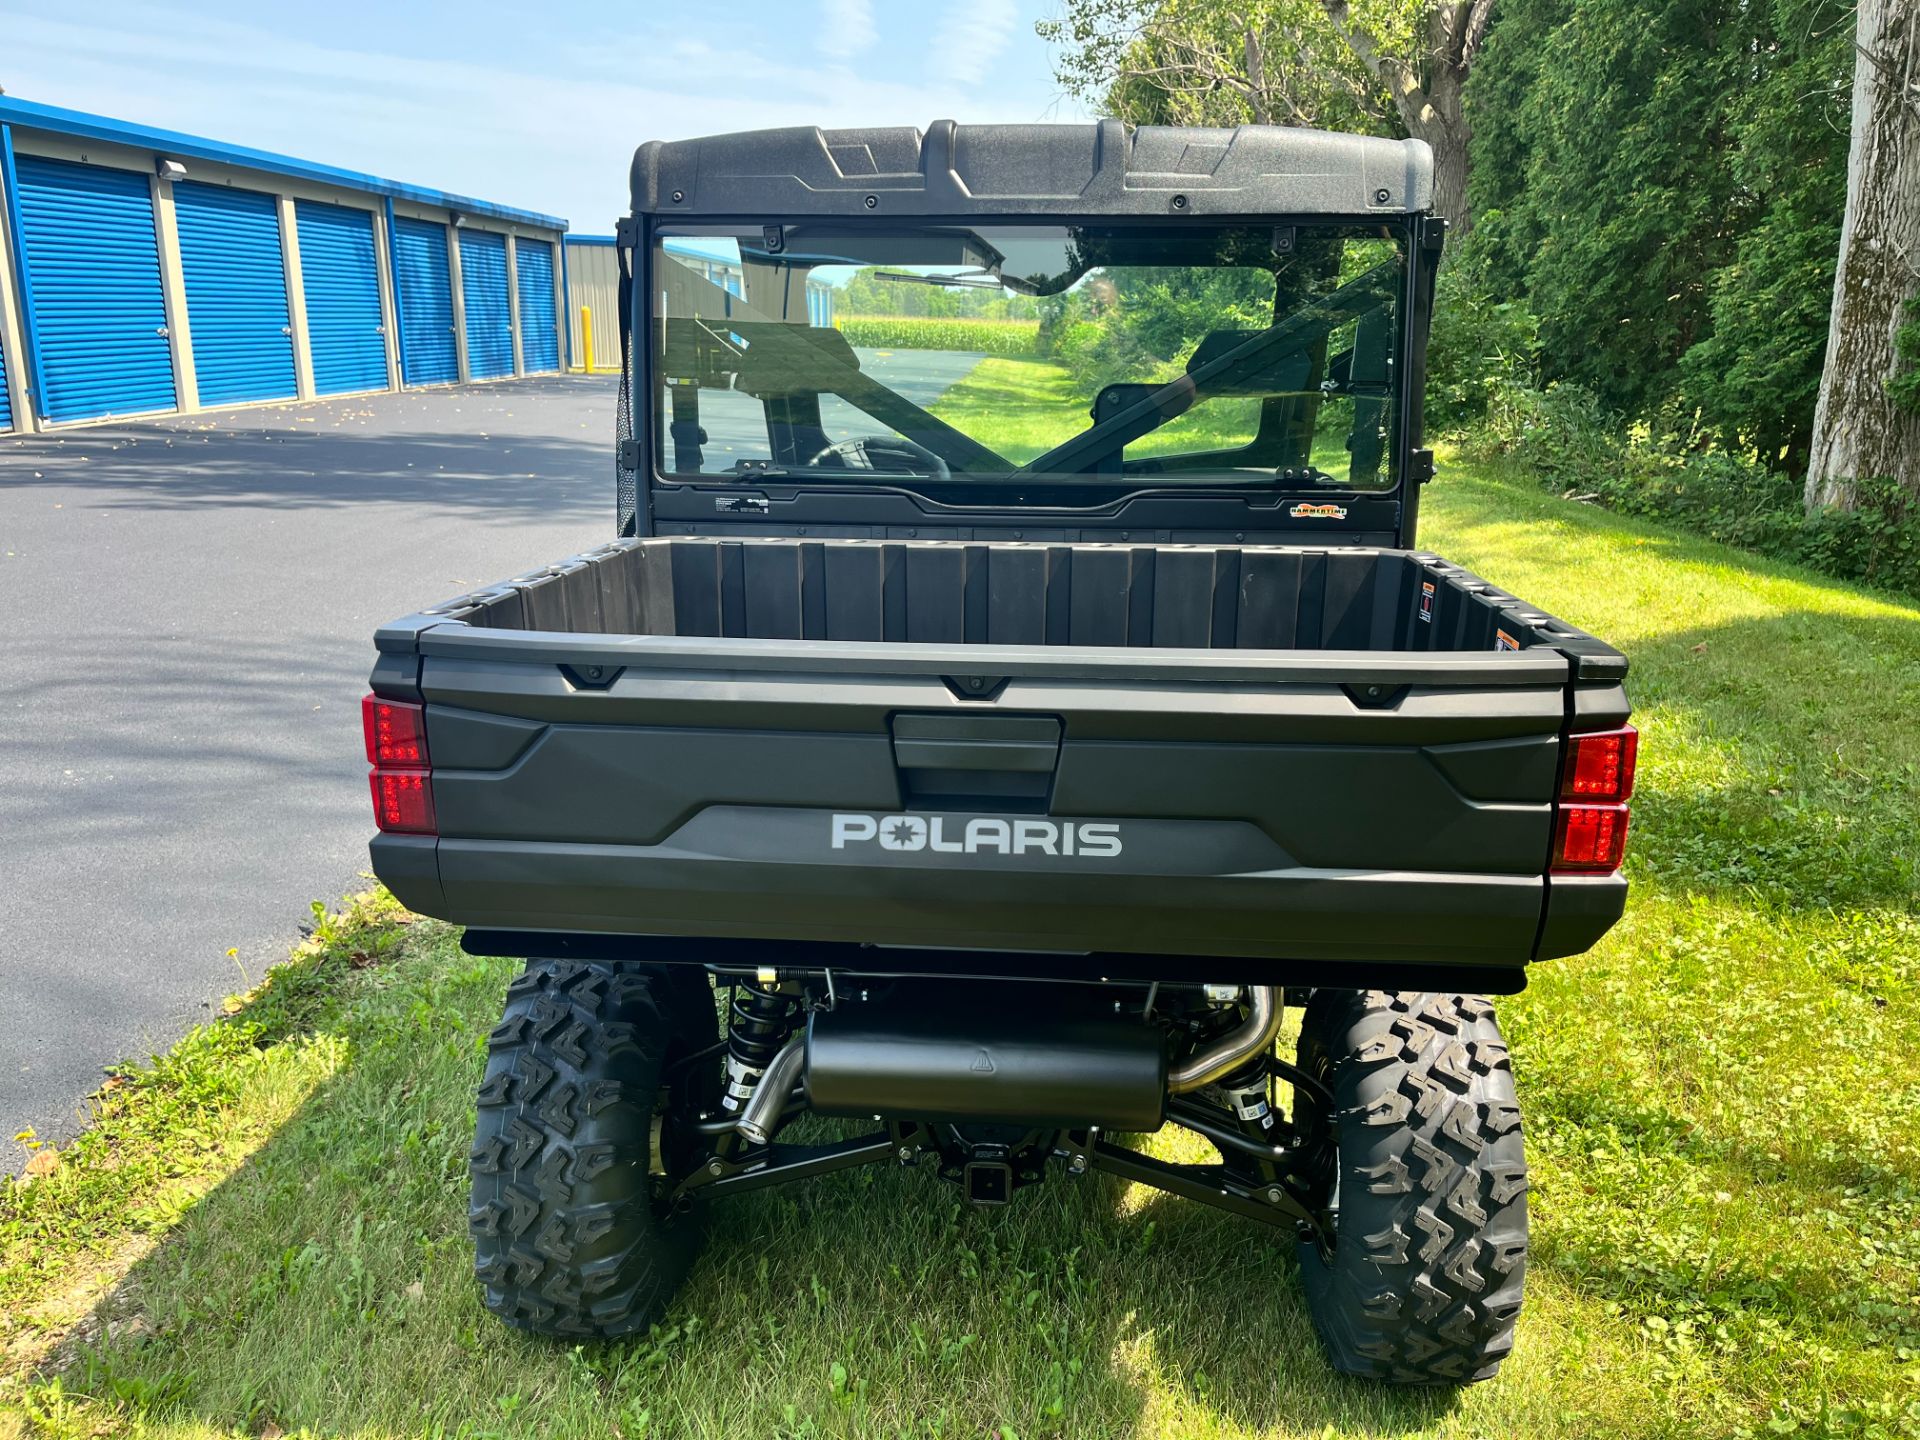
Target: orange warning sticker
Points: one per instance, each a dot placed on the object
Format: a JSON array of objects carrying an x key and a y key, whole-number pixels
[{"x": 1504, "y": 641}]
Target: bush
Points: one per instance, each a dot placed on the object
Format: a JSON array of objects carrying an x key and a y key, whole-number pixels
[
  {"x": 1097, "y": 355},
  {"x": 1905, "y": 386},
  {"x": 1480, "y": 345},
  {"x": 913, "y": 332},
  {"x": 1570, "y": 443}
]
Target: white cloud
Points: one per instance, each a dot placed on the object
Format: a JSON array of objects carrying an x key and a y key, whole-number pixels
[
  {"x": 846, "y": 28},
  {"x": 549, "y": 126},
  {"x": 971, "y": 37}
]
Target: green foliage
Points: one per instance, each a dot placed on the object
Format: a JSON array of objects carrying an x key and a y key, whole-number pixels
[
  {"x": 868, "y": 293},
  {"x": 1481, "y": 346},
  {"x": 1567, "y": 439},
  {"x": 1141, "y": 323},
  {"x": 1905, "y": 387},
  {"x": 1663, "y": 184},
  {"x": 1185, "y": 62},
  {"x": 1754, "y": 375},
  {"x": 902, "y": 332}
]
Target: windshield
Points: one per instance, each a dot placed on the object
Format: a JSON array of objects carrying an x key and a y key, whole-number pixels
[{"x": 1041, "y": 356}]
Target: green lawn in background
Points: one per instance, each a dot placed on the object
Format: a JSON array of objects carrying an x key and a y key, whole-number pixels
[
  {"x": 1722, "y": 1113},
  {"x": 1023, "y": 408}
]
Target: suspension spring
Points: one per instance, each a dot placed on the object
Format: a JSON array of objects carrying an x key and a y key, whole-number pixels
[{"x": 758, "y": 1018}]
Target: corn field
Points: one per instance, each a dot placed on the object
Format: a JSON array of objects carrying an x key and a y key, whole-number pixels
[{"x": 913, "y": 332}]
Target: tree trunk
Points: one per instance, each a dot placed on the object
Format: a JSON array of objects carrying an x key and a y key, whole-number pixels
[
  {"x": 1435, "y": 117},
  {"x": 1858, "y": 431},
  {"x": 1430, "y": 108},
  {"x": 1450, "y": 181}
]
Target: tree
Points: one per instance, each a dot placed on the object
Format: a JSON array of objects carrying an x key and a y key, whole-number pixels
[
  {"x": 1379, "y": 66},
  {"x": 1200, "y": 62},
  {"x": 1427, "y": 82},
  {"x": 1662, "y": 183},
  {"x": 1620, "y": 214},
  {"x": 1860, "y": 430},
  {"x": 1754, "y": 377}
]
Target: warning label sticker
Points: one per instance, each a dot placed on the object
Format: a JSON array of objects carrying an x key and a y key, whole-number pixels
[
  {"x": 1504, "y": 641},
  {"x": 1426, "y": 601}
]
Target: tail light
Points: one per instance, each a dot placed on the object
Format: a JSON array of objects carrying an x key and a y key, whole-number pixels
[
  {"x": 1600, "y": 766},
  {"x": 1590, "y": 839},
  {"x": 402, "y": 777},
  {"x": 1590, "y": 822},
  {"x": 396, "y": 732}
]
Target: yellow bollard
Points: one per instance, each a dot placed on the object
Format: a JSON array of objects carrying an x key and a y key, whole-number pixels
[{"x": 586, "y": 336}]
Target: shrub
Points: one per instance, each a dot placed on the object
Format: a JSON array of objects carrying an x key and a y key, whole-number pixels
[
  {"x": 1480, "y": 344},
  {"x": 1570, "y": 443},
  {"x": 1905, "y": 386},
  {"x": 914, "y": 332}
]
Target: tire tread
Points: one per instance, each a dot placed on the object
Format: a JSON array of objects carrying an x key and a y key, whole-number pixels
[
  {"x": 1423, "y": 1285},
  {"x": 566, "y": 1238}
]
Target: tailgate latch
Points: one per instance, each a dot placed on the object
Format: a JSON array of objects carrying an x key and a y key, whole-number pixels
[{"x": 986, "y": 759}]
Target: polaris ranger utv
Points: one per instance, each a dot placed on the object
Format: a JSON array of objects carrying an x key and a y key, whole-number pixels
[{"x": 1012, "y": 690}]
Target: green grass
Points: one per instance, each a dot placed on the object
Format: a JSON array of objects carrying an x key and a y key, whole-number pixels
[
  {"x": 1023, "y": 408},
  {"x": 267, "y": 1227},
  {"x": 916, "y": 332}
]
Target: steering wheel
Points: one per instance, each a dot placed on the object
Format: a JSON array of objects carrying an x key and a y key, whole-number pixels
[{"x": 893, "y": 453}]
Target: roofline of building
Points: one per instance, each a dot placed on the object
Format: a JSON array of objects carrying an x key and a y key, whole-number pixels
[
  {"x": 591, "y": 240},
  {"x": 29, "y": 115}
]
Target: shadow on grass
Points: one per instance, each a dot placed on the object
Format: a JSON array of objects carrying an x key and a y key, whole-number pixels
[
  {"x": 326, "y": 1284},
  {"x": 1797, "y": 782}
]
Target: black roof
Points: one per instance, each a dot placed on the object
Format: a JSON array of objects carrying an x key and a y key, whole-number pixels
[{"x": 1077, "y": 170}]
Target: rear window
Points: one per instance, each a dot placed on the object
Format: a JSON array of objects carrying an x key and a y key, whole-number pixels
[{"x": 1071, "y": 359}]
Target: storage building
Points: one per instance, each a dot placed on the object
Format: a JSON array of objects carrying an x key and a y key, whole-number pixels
[
  {"x": 593, "y": 284},
  {"x": 144, "y": 271}
]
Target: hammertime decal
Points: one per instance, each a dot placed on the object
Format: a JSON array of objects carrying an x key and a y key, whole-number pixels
[
  {"x": 1308, "y": 511},
  {"x": 984, "y": 835}
]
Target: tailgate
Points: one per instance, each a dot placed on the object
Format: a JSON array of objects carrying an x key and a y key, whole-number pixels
[{"x": 1325, "y": 806}]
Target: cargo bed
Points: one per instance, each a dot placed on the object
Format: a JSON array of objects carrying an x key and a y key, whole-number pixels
[{"x": 1098, "y": 756}]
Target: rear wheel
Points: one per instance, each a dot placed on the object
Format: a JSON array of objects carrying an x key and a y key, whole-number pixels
[
  {"x": 1422, "y": 1167},
  {"x": 577, "y": 1134}
]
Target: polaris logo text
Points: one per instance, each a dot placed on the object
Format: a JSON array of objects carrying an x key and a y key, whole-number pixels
[{"x": 987, "y": 835}]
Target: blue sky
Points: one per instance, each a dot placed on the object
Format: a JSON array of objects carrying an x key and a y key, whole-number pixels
[{"x": 530, "y": 104}]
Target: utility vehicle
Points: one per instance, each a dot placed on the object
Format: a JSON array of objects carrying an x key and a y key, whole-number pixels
[{"x": 1013, "y": 689}]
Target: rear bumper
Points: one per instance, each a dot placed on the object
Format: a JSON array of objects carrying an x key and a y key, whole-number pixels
[{"x": 1177, "y": 889}]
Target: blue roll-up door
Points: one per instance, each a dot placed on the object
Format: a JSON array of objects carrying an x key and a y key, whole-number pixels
[
  {"x": 428, "y": 354},
  {"x": 236, "y": 284},
  {"x": 533, "y": 279},
  {"x": 483, "y": 288},
  {"x": 6, "y": 404},
  {"x": 340, "y": 279},
  {"x": 93, "y": 270}
]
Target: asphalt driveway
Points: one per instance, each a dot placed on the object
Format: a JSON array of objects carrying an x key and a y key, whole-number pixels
[
  {"x": 186, "y": 613},
  {"x": 186, "y": 617},
  {"x": 736, "y": 425}
]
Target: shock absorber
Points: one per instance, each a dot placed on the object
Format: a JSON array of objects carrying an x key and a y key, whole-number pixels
[
  {"x": 1245, "y": 1089},
  {"x": 759, "y": 1016},
  {"x": 1245, "y": 1092}
]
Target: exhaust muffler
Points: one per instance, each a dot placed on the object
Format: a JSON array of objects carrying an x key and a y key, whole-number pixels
[{"x": 1045, "y": 1067}]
